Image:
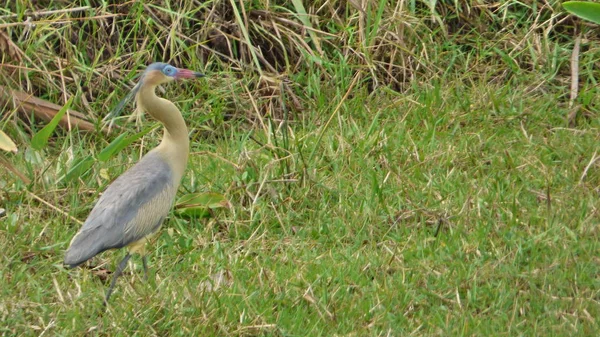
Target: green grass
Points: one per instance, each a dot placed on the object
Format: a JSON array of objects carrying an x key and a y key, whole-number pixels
[{"x": 451, "y": 201}]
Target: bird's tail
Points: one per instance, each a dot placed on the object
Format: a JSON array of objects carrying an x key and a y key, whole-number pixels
[{"x": 83, "y": 248}]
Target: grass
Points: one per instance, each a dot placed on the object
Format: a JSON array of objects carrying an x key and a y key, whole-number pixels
[{"x": 421, "y": 172}]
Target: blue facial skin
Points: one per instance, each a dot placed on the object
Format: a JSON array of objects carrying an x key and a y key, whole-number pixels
[{"x": 169, "y": 71}]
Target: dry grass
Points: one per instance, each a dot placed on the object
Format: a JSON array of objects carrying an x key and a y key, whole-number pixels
[{"x": 80, "y": 48}]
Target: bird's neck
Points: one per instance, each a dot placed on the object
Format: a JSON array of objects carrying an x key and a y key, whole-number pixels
[{"x": 175, "y": 143}]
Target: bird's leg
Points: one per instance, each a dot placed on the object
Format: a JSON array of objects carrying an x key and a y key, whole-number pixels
[
  {"x": 145, "y": 263},
  {"x": 118, "y": 272}
]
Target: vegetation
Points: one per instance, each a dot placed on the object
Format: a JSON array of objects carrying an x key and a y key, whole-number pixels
[
  {"x": 392, "y": 168},
  {"x": 584, "y": 9}
]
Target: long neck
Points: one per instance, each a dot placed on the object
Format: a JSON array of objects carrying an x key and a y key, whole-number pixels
[{"x": 175, "y": 143}]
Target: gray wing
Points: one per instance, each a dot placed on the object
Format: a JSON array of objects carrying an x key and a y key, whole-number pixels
[{"x": 132, "y": 207}]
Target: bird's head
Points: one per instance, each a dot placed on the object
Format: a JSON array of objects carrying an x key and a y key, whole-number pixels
[
  {"x": 155, "y": 74},
  {"x": 158, "y": 73}
]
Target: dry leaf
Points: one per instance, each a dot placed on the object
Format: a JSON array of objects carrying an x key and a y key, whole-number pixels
[
  {"x": 217, "y": 280},
  {"x": 45, "y": 110},
  {"x": 7, "y": 47},
  {"x": 6, "y": 143}
]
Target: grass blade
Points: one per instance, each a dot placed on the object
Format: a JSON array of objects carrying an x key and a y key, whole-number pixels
[
  {"x": 303, "y": 17},
  {"x": 9, "y": 166},
  {"x": 198, "y": 205},
  {"x": 249, "y": 44},
  {"x": 374, "y": 27},
  {"x": 121, "y": 142},
  {"x": 79, "y": 169},
  {"x": 333, "y": 114},
  {"x": 40, "y": 139}
]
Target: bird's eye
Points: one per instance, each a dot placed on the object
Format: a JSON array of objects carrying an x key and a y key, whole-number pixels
[{"x": 169, "y": 71}]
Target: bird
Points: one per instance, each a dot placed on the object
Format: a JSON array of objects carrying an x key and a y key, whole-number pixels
[{"x": 134, "y": 206}]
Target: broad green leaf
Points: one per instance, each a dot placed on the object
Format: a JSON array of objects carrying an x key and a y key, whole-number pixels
[
  {"x": 119, "y": 143},
  {"x": 584, "y": 9},
  {"x": 108, "y": 151},
  {"x": 79, "y": 169},
  {"x": 6, "y": 143},
  {"x": 40, "y": 139},
  {"x": 198, "y": 204}
]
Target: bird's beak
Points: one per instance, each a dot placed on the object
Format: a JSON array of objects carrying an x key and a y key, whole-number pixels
[{"x": 185, "y": 73}]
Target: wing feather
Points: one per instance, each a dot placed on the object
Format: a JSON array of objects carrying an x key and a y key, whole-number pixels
[{"x": 132, "y": 207}]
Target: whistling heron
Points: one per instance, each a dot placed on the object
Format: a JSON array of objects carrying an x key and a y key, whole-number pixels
[{"x": 134, "y": 206}]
